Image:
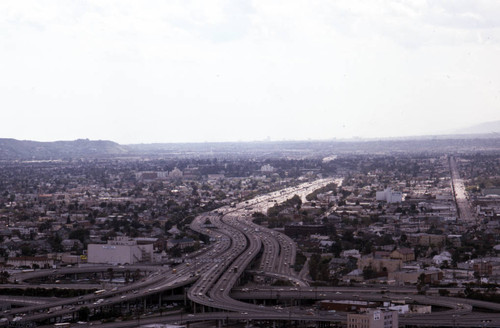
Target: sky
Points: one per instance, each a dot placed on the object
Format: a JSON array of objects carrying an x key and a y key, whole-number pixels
[{"x": 241, "y": 70}]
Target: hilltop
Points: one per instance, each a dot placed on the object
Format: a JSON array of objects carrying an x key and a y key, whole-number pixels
[{"x": 27, "y": 149}]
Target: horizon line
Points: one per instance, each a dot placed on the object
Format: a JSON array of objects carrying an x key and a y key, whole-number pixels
[{"x": 333, "y": 139}]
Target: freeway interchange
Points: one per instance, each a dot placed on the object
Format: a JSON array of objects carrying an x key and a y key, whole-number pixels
[
  {"x": 213, "y": 272},
  {"x": 243, "y": 241}
]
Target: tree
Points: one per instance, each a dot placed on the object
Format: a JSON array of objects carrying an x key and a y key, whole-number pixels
[
  {"x": 348, "y": 236},
  {"x": 336, "y": 248},
  {"x": 136, "y": 275},
  {"x": 455, "y": 257},
  {"x": 127, "y": 276},
  {"x": 55, "y": 243},
  {"x": 83, "y": 313},
  {"x": 26, "y": 250},
  {"x": 4, "y": 277},
  {"x": 314, "y": 265},
  {"x": 477, "y": 276},
  {"x": 111, "y": 274},
  {"x": 444, "y": 292},
  {"x": 175, "y": 251},
  {"x": 421, "y": 284},
  {"x": 403, "y": 239},
  {"x": 369, "y": 273},
  {"x": 324, "y": 271},
  {"x": 294, "y": 201},
  {"x": 80, "y": 234},
  {"x": 468, "y": 291}
]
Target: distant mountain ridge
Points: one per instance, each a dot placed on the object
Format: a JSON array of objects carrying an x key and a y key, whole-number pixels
[
  {"x": 492, "y": 127},
  {"x": 13, "y": 149},
  {"x": 27, "y": 149}
]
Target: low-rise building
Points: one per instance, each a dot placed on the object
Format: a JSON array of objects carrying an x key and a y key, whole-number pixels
[
  {"x": 379, "y": 264},
  {"x": 411, "y": 276},
  {"x": 350, "y": 253},
  {"x": 373, "y": 318},
  {"x": 181, "y": 243},
  {"x": 121, "y": 250},
  {"x": 403, "y": 254},
  {"x": 425, "y": 239},
  {"x": 30, "y": 261}
]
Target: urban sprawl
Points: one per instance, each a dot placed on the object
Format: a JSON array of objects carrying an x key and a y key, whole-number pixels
[{"x": 382, "y": 239}]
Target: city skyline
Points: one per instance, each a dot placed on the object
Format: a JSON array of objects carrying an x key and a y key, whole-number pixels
[{"x": 243, "y": 71}]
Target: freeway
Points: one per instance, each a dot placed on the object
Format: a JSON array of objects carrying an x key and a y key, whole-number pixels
[
  {"x": 223, "y": 316},
  {"x": 247, "y": 241},
  {"x": 22, "y": 277},
  {"x": 25, "y": 300},
  {"x": 464, "y": 211},
  {"x": 459, "y": 320}
]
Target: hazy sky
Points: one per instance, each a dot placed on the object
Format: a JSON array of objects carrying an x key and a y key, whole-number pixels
[{"x": 169, "y": 71}]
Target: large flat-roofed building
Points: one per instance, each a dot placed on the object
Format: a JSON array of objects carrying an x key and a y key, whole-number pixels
[
  {"x": 425, "y": 239},
  {"x": 379, "y": 264},
  {"x": 373, "y": 318},
  {"x": 389, "y": 196},
  {"x": 121, "y": 250}
]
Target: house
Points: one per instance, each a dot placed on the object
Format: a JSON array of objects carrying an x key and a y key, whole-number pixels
[
  {"x": 350, "y": 253},
  {"x": 69, "y": 244},
  {"x": 442, "y": 258}
]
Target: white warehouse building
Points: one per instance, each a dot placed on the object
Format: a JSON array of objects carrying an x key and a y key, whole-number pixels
[
  {"x": 389, "y": 196},
  {"x": 121, "y": 250}
]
